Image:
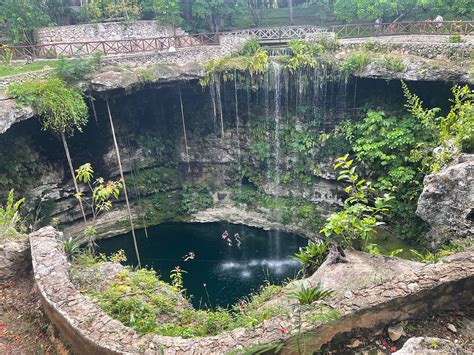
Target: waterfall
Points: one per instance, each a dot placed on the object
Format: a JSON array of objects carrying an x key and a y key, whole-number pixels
[
  {"x": 217, "y": 90},
  {"x": 237, "y": 125},
  {"x": 184, "y": 131},
  {"x": 277, "y": 113}
]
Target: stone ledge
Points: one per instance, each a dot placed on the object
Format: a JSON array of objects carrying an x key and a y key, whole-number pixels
[
  {"x": 89, "y": 330},
  {"x": 14, "y": 257}
]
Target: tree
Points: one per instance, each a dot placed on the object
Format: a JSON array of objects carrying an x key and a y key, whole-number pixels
[
  {"x": 217, "y": 13},
  {"x": 290, "y": 12},
  {"x": 22, "y": 17},
  {"x": 167, "y": 12},
  {"x": 61, "y": 109}
]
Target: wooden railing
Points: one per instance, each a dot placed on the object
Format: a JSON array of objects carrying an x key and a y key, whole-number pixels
[
  {"x": 125, "y": 46},
  {"x": 264, "y": 35},
  {"x": 404, "y": 28},
  {"x": 280, "y": 34}
]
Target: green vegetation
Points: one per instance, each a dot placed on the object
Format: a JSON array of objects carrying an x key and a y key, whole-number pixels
[
  {"x": 455, "y": 131},
  {"x": 312, "y": 256},
  {"x": 74, "y": 70},
  {"x": 13, "y": 68},
  {"x": 303, "y": 55},
  {"x": 456, "y": 38},
  {"x": 100, "y": 200},
  {"x": 310, "y": 294},
  {"x": 226, "y": 67},
  {"x": 355, "y": 63},
  {"x": 139, "y": 299},
  {"x": 62, "y": 109},
  {"x": 356, "y": 224},
  {"x": 393, "y": 63},
  {"x": 10, "y": 219}
]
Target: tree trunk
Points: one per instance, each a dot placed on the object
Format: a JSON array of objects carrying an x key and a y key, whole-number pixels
[
  {"x": 73, "y": 175},
  {"x": 290, "y": 12},
  {"x": 124, "y": 185},
  {"x": 187, "y": 8}
]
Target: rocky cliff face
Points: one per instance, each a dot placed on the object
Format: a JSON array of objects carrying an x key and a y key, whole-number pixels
[{"x": 447, "y": 201}]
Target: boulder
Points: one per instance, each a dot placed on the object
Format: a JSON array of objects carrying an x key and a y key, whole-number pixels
[
  {"x": 447, "y": 201},
  {"x": 359, "y": 270},
  {"x": 14, "y": 257},
  {"x": 425, "y": 346}
]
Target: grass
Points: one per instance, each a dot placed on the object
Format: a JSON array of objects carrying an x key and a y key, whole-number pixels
[
  {"x": 140, "y": 300},
  {"x": 20, "y": 68}
]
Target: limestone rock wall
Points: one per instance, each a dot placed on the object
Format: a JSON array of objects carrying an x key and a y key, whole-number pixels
[
  {"x": 14, "y": 257},
  {"x": 447, "y": 201},
  {"x": 104, "y": 32},
  {"x": 89, "y": 330}
]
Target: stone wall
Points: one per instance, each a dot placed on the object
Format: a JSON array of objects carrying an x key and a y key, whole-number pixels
[
  {"x": 14, "y": 257},
  {"x": 104, "y": 32},
  {"x": 89, "y": 330},
  {"x": 431, "y": 47}
]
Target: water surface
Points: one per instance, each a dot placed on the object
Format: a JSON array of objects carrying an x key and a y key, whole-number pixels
[{"x": 222, "y": 270}]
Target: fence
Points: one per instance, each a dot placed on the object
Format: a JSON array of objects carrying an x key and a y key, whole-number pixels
[
  {"x": 404, "y": 28},
  {"x": 125, "y": 46}
]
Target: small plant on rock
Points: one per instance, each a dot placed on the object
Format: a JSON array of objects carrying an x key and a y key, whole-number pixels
[
  {"x": 363, "y": 210},
  {"x": 71, "y": 247},
  {"x": 312, "y": 256},
  {"x": 310, "y": 294},
  {"x": 176, "y": 276},
  {"x": 100, "y": 199},
  {"x": 10, "y": 220}
]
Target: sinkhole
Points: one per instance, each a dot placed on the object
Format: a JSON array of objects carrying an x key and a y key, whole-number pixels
[{"x": 223, "y": 262}]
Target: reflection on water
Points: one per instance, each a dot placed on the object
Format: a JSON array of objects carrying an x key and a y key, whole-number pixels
[{"x": 227, "y": 261}]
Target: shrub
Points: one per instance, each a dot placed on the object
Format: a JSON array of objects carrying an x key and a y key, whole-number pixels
[
  {"x": 310, "y": 294},
  {"x": 312, "y": 256},
  {"x": 10, "y": 220},
  {"x": 353, "y": 64},
  {"x": 250, "y": 47},
  {"x": 455, "y": 38},
  {"x": 393, "y": 64},
  {"x": 71, "y": 247},
  {"x": 73, "y": 70}
]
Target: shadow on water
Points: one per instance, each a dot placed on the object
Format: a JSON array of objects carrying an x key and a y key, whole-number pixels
[{"x": 229, "y": 272}]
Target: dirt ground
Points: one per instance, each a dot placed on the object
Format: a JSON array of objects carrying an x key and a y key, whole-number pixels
[
  {"x": 436, "y": 326},
  {"x": 24, "y": 329}
]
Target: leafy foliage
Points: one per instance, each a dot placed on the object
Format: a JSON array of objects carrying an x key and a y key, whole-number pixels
[
  {"x": 353, "y": 64},
  {"x": 312, "y": 256},
  {"x": 100, "y": 199},
  {"x": 21, "y": 17},
  {"x": 62, "y": 109},
  {"x": 227, "y": 67},
  {"x": 455, "y": 130},
  {"x": 73, "y": 70},
  {"x": 139, "y": 299},
  {"x": 303, "y": 55},
  {"x": 363, "y": 210},
  {"x": 10, "y": 220},
  {"x": 310, "y": 294}
]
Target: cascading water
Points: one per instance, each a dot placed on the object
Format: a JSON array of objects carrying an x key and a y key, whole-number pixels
[
  {"x": 277, "y": 116},
  {"x": 237, "y": 127},
  {"x": 217, "y": 90}
]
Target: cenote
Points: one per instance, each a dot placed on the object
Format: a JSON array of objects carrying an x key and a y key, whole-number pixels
[{"x": 220, "y": 274}]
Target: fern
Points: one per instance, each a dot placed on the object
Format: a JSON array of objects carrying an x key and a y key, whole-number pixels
[{"x": 10, "y": 219}]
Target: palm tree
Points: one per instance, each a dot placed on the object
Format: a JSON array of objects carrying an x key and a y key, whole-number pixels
[{"x": 117, "y": 152}]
